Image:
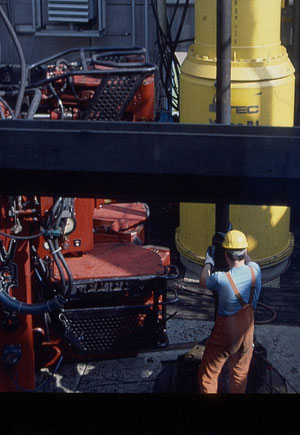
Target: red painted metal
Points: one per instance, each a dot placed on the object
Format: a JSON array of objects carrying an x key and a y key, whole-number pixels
[
  {"x": 21, "y": 373},
  {"x": 82, "y": 238},
  {"x": 115, "y": 260},
  {"x": 142, "y": 104},
  {"x": 134, "y": 235},
  {"x": 119, "y": 216}
]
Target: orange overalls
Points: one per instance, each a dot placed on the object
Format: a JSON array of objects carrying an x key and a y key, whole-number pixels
[{"x": 231, "y": 337}]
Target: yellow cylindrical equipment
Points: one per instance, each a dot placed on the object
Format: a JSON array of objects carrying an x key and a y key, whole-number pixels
[{"x": 262, "y": 93}]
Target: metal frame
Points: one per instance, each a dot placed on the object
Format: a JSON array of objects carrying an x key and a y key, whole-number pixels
[
  {"x": 149, "y": 161},
  {"x": 36, "y": 27}
]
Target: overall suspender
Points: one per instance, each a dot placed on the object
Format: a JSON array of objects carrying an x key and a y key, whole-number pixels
[{"x": 236, "y": 292}]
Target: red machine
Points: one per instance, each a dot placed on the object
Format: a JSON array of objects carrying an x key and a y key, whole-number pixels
[
  {"x": 76, "y": 279},
  {"x": 108, "y": 85}
]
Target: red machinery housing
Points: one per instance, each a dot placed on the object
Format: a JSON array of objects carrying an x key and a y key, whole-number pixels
[
  {"x": 75, "y": 282},
  {"x": 76, "y": 278}
]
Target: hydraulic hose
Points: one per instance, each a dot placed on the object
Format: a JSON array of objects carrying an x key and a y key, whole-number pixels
[
  {"x": 34, "y": 103},
  {"x": 21, "y": 307},
  {"x": 22, "y": 62}
]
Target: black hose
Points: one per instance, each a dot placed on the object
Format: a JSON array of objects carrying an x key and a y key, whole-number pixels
[
  {"x": 70, "y": 277},
  {"x": 50, "y": 216},
  {"x": 21, "y": 307},
  {"x": 34, "y": 104},
  {"x": 54, "y": 253},
  {"x": 60, "y": 256},
  {"x": 169, "y": 67},
  {"x": 22, "y": 62},
  {"x": 11, "y": 236},
  {"x": 59, "y": 102}
]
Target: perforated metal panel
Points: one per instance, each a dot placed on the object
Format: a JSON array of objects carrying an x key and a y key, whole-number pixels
[
  {"x": 71, "y": 11},
  {"x": 98, "y": 330}
]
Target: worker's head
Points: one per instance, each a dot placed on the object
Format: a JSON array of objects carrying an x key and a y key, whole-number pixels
[{"x": 235, "y": 245}]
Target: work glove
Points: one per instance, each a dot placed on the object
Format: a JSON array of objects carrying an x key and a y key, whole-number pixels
[{"x": 210, "y": 255}]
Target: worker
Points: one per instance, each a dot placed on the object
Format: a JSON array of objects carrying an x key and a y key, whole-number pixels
[{"x": 237, "y": 293}]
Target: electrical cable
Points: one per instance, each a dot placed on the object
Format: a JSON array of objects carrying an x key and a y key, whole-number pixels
[
  {"x": 273, "y": 368},
  {"x": 57, "y": 212},
  {"x": 33, "y": 236},
  {"x": 169, "y": 66},
  {"x": 42, "y": 384},
  {"x": 24, "y": 71},
  {"x": 34, "y": 103},
  {"x": 60, "y": 104},
  {"x": 259, "y": 322},
  {"x": 58, "y": 265}
]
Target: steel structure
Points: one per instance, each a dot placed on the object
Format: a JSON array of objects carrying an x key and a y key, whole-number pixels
[{"x": 144, "y": 161}]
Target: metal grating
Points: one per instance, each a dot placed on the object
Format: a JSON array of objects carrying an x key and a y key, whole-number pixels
[
  {"x": 99, "y": 331},
  {"x": 112, "y": 97},
  {"x": 71, "y": 11}
]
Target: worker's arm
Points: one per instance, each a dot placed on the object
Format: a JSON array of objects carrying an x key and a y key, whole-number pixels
[
  {"x": 208, "y": 265},
  {"x": 247, "y": 258},
  {"x": 205, "y": 274}
]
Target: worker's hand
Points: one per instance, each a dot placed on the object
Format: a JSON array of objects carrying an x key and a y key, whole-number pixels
[{"x": 210, "y": 255}]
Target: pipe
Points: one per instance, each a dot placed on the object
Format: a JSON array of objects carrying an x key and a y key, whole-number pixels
[
  {"x": 162, "y": 15},
  {"x": 34, "y": 104},
  {"x": 133, "y": 26},
  {"x": 296, "y": 57},
  {"x": 223, "y": 61},
  {"x": 146, "y": 28},
  {"x": 22, "y": 62},
  {"x": 161, "y": 7},
  {"x": 223, "y": 111}
]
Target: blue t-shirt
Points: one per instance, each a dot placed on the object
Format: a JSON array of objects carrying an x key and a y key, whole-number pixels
[{"x": 228, "y": 303}]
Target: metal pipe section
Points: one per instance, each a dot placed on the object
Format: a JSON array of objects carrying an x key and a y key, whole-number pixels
[
  {"x": 223, "y": 61},
  {"x": 133, "y": 24},
  {"x": 146, "y": 16},
  {"x": 223, "y": 110},
  {"x": 161, "y": 6},
  {"x": 296, "y": 58},
  {"x": 162, "y": 15}
]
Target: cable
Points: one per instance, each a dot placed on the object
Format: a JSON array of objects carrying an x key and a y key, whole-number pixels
[
  {"x": 273, "y": 368},
  {"x": 42, "y": 384},
  {"x": 34, "y": 103},
  {"x": 261, "y": 322},
  {"x": 60, "y": 104},
  {"x": 258, "y": 322},
  {"x": 169, "y": 66},
  {"x": 10, "y": 236},
  {"x": 22, "y": 62}
]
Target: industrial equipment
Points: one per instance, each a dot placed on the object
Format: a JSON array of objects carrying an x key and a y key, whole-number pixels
[{"x": 77, "y": 279}]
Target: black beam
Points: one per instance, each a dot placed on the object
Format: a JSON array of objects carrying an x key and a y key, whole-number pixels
[
  {"x": 223, "y": 91},
  {"x": 148, "y": 161}
]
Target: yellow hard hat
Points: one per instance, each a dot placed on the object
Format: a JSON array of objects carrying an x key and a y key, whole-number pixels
[{"x": 235, "y": 240}]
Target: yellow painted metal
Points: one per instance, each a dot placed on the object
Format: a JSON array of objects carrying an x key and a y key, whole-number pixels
[
  {"x": 262, "y": 93},
  {"x": 255, "y": 28}
]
